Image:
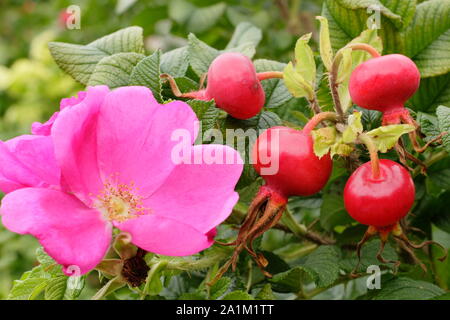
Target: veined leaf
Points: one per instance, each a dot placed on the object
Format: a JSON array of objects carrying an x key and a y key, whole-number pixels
[
  {"x": 115, "y": 71},
  {"x": 323, "y": 139},
  {"x": 385, "y": 137},
  {"x": 175, "y": 62},
  {"x": 245, "y": 32},
  {"x": 326, "y": 52},
  {"x": 80, "y": 61},
  {"x": 305, "y": 64},
  {"x": 296, "y": 84},
  {"x": 408, "y": 289},
  {"x": 428, "y": 38},
  {"x": 147, "y": 73},
  {"x": 354, "y": 128},
  {"x": 443, "y": 114}
]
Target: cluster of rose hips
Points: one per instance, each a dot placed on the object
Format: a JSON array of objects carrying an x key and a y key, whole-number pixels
[{"x": 378, "y": 194}]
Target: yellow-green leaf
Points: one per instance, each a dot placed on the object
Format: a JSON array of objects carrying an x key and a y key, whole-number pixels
[
  {"x": 323, "y": 138},
  {"x": 304, "y": 59},
  {"x": 385, "y": 137},
  {"x": 326, "y": 52},
  {"x": 296, "y": 84},
  {"x": 353, "y": 129}
]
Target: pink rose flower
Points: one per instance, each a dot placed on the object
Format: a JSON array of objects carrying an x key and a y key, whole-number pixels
[
  {"x": 113, "y": 152},
  {"x": 28, "y": 161}
]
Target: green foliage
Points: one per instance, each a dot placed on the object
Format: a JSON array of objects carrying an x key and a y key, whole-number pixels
[
  {"x": 181, "y": 38},
  {"x": 420, "y": 31},
  {"x": 46, "y": 279}
]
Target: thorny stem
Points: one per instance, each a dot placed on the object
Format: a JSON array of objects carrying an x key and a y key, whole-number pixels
[
  {"x": 335, "y": 94},
  {"x": 301, "y": 231},
  {"x": 314, "y": 104},
  {"x": 176, "y": 91},
  {"x": 190, "y": 264},
  {"x": 269, "y": 75},
  {"x": 314, "y": 121},
  {"x": 334, "y": 85},
  {"x": 373, "y": 151},
  {"x": 365, "y": 47}
]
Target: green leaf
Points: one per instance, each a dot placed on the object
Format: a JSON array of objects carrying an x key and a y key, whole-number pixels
[
  {"x": 323, "y": 263},
  {"x": 63, "y": 287},
  {"x": 56, "y": 288},
  {"x": 348, "y": 18},
  {"x": 333, "y": 213},
  {"x": 80, "y": 61},
  {"x": 368, "y": 257},
  {"x": 443, "y": 114},
  {"x": 428, "y": 125},
  {"x": 266, "y": 293},
  {"x": 428, "y": 36},
  {"x": 432, "y": 92},
  {"x": 207, "y": 113},
  {"x": 305, "y": 64},
  {"x": 175, "y": 62},
  {"x": 205, "y": 18},
  {"x": 326, "y": 52},
  {"x": 219, "y": 288},
  {"x": 296, "y": 84},
  {"x": 115, "y": 71},
  {"x": 146, "y": 73},
  {"x": 322, "y": 266},
  {"x": 385, "y": 137},
  {"x": 345, "y": 67},
  {"x": 238, "y": 295},
  {"x": 441, "y": 268},
  {"x": 276, "y": 92},
  {"x": 445, "y": 296},
  {"x": 27, "y": 289},
  {"x": 407, "y": 289},
  {"x": 341, "y": 149},
  {"x": 353, "y": 128},
  {"x": 244, "y": 33},
  {"x": 323, "y": 138},
  {"x": 200, "y": 55}
]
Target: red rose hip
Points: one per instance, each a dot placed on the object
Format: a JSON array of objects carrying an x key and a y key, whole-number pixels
[{"x": 382, "y": 201}]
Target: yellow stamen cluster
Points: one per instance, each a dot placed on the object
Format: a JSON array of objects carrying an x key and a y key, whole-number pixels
[{"x": 120, "y": 202}]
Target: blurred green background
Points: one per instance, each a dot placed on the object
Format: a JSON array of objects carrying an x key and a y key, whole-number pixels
[{"x": 31, "y": 85}]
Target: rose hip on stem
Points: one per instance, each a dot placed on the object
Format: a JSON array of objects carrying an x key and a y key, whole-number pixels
[
  {"x": 379, "y": 194},
  {"x": 233, "y": 84},
  {"x": 385, "y": 83},
  {"x": 285, "y": 159}
]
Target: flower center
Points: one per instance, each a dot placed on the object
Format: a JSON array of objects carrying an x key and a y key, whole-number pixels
[{"x": 120, "y": 202}]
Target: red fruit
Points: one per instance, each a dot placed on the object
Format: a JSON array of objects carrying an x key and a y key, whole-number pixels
[
  {"x": 380, "y": 202},
  {"x": 234, "y": 86},
  {"x": 385, "y": 83},
  {"x": 294, "y": 170},
  {"x": 300, "y": 171}
]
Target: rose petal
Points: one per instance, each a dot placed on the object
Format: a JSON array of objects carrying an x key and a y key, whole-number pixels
[
  {"x": 134, "y": 137},
  {"x": 28, "y": 161},
  {"x": 201, "y": 195},
  {"x": 165, "y": 236},
  {"x": 71, "y": 233},
  {"x": 75, "y": 137}
]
